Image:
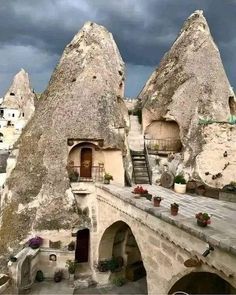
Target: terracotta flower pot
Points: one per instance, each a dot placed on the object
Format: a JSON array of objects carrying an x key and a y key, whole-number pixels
[
  {"x": 174, "y": 211},
  {"x": 156, "y": 202},
  {"x": 201, "y": 223}
]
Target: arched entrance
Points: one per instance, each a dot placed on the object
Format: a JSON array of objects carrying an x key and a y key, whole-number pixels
[
  {"x": 82, "y": 246},
  {"x": 86, "y": 162},
  {"x": 202, "y": 283},
  {"x": 163, "y": 136},
  {"x": 119, "y": 246}
]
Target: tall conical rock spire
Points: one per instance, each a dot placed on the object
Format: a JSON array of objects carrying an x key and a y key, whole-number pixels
[
  {"x": 190, "y": 86},
  {"x": 20, "y": 95},
  {"x": 83, "y": 100}
]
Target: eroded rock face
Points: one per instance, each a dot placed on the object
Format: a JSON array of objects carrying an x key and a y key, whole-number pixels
[
  {"x": 83, "y": 100},
  {"x": 190, "y": 87},
  {"x": 20, "y": 95}
]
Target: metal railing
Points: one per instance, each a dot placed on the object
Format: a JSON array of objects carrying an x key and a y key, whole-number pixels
[
  {"x": 97, "y": 174},
  {"x": 163, "y": 145},
  {"x": 147, "y": 162}
]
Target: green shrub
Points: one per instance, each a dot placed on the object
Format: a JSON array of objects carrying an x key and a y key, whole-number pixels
[
  {"x": 180, "y": 179},
  {"x": 39, "y": 276},
  {"x": 120, "y": 281}
]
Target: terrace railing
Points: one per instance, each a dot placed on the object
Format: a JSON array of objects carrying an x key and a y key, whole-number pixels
[
  {"x": 163, "y": 145},
  {"x": 97, "y": 174}
]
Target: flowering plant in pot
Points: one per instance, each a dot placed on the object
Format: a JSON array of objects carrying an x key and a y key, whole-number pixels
[
  {"x": 157, "y": 201},
  {"x": 180, "y": 184},
  {"x": 139, "y": 191},
  {"x": 203, "y": 219},
  {"x": 107, "y": 178},
  {"x": 174, "y": 208},
  {"x": 35, "y": 242}
]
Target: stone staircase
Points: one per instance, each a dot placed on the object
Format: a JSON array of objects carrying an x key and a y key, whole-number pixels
[
  {"x": 136, "y": 144},
  {"x": 135, "y": 137},
  {"x": 140, "y": 168}
]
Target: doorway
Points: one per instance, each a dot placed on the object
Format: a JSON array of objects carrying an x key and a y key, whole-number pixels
[
  {"x": 86, "y": 163},
  {"x": 82, "y": 246}
]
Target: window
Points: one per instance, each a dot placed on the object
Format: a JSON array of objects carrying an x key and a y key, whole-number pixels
[
  {"x": 23, "y": 114},
  {"x": 13, "y": 115}
]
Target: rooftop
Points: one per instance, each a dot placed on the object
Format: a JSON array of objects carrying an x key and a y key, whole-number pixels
[{"x": 220, "y": 233}]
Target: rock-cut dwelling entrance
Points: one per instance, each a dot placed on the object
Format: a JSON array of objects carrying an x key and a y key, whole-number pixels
[{"x": 82, "y": 246}]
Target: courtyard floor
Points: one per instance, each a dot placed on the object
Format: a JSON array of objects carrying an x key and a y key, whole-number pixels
[
  {"x": 51, "y": 288},
  {"x": 65, "y": 288},
  {"x": 138, "y": 287}
]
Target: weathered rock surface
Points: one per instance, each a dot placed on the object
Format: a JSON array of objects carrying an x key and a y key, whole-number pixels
[
  {"x": 20, "y": 95},
  {"x": 83, "y": 100},
  {"x": 190, "y": 86}
]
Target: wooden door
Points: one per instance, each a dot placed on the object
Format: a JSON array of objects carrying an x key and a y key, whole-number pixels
[
  {"x": 86, "y": 163},
  {"x": 82, "y": 246}
]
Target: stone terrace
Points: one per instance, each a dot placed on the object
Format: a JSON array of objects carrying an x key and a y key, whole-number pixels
[{"x": 220, "y": 233}]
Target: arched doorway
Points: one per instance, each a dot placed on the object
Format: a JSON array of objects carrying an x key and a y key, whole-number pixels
[
  {"x": 119, "y": 245},
  {"x": 163, "y": 136},
  {"x": 86, "y": 163},
  {"x": 202, "y": 283},
  {"x": 82, "y": 246}
]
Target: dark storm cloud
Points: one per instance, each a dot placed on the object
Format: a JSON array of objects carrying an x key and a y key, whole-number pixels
[{"x": 143, "y": 29}]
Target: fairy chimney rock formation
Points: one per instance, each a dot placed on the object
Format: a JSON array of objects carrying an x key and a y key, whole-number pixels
[
  {"x": 190, "y": 87},
  {"x": 20, "y": 95},
  {"x": 83, "y": 100}
]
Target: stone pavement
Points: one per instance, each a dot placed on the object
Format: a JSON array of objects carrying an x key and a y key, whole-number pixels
[
  {"x": 51, "y": 288},
  {"x": 220, "y": 233}
]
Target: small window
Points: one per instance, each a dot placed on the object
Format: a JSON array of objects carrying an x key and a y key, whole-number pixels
[
  {"x": 13, "y": 115},
  {"x": 12, "y": 93},
  {"x": 23, "y": 114}
]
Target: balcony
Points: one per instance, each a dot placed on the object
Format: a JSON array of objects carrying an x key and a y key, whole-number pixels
[
  {"x": 167, "y": 145},
  {"x": 92, "y": 174}
]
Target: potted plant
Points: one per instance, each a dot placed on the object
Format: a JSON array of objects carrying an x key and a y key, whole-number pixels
[
  {"x": 180, "y": 184},
  {"x": 203, "y": 219},
  {"x": 174, "y": 208},
  {"x": 58, "y": 275},
  {"x": 71, "y": 265},
  {"x": 107, "y": 178},
  {"x": 35, "y": 242},
  {"x": 39, "y": 276},
  {"x": 12, "y": 258},
  {"x": 139, "y": 191},
  {"x": 157, "y": 201}
]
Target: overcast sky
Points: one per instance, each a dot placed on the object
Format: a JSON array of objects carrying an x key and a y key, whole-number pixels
[{"x": 33, "y": 33}]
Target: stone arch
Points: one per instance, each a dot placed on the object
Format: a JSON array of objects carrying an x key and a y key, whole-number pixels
[
  {"x": 119, "y": 241},
  {"x": 202, "y": 282},
  {"x": 164, "y": 135}
]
